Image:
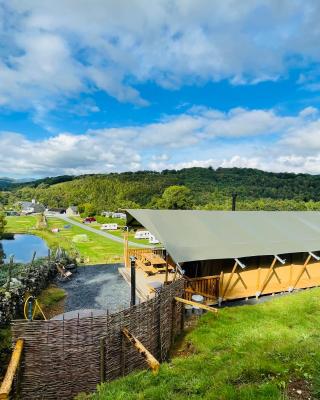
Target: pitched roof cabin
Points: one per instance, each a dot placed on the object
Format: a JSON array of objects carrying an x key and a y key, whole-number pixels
[{"x": 227, "y": 255}]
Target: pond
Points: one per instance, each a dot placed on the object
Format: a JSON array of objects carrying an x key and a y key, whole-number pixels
[
  {"x": 98, "y": 287},
  {"x": 23, "y": 246}
]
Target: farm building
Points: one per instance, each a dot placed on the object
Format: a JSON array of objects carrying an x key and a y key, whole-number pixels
[
  {"x": 31, "y": 207},
  {"x": 72, "y": 211},
  {"x": 230, "y": 255}
]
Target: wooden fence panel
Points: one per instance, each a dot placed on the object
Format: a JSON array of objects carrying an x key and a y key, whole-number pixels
[{"x": 63, "y": 358}]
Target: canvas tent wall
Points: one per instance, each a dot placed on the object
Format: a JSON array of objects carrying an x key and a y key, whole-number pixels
[{"x": 211, "y": 241}]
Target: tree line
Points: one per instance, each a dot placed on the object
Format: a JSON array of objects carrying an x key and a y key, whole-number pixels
[{"x": 201, "y": 188}]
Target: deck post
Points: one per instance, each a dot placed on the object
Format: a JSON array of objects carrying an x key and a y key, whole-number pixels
[
  {"x": 173, "y": 320},
  {"x": 166, "y": 277},
  {"x": 125, "y": 247},
  {"x": 133, "y": 280}
]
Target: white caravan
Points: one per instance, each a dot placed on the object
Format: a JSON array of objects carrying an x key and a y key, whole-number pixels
[
  {"x": 109, "y": 227},
  {"x": 142, "y": 235},
  {"x": 153, "y": 239}
]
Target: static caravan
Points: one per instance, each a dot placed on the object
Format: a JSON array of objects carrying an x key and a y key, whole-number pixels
[
  {"x": 109, "y": 227},
  {"x": 142, "y": 234},
  {"x": 228, "y": 255}
]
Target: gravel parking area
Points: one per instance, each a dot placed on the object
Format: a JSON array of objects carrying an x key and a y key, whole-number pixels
[{"x": 96, "y": 287}]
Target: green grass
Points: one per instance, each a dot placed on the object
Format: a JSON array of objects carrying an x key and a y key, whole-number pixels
[
  {"x": 249, "y": 353},
  {"x": 51, "y": 296},
  {"x": 21, "y": 224},
  {"x": 5, "y": 349},
  {"x": 51, "y": 301},
  {"x": 97, "y": 250},
  {"x": 118, "y": 233}
]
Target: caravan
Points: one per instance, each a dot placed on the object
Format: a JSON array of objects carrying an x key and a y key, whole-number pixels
[
  {"x": 142, "y": 234},
  {"x": 109, "y": 227},
  {"x": 153, "y": 239}
]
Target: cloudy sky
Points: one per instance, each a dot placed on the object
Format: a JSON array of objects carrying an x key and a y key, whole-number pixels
[{"x": 116, "y": 85}]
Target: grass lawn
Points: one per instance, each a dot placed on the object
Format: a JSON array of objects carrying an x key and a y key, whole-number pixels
[
  {"x": 21, "y": 224},
  {"x": 51, "y": 301},
  {"x": 267, "y": 351},
  {"x": 96, "y": 250},
  {"x": 118, "y": 233}
]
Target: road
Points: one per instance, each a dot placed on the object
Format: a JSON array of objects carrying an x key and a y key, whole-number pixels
[{"x": 98, "y": 232}]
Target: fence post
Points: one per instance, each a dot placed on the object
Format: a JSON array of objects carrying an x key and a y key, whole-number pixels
[
  {"x": 173, "y": 320},
  {"x": 182, "y": 318},
  {"x": 102, "y": 360}
]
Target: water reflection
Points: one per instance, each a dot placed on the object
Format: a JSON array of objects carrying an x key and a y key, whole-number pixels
[{"x": 22, "y": 247}]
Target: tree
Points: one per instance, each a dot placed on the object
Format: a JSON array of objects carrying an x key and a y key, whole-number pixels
[
  {"x": 3, "y": 223},
  {"x": 175, "y": 198}
]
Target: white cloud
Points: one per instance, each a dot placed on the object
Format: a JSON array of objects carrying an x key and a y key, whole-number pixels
[
  {"x": 57, "y": 49},
  {"x": 251, "y": 138}
]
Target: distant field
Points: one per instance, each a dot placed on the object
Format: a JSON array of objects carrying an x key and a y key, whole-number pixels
[
  {"x": 20, "y": 224},
  {"x": 118, "y": 233},
  {"x": 97, "y": 250}
]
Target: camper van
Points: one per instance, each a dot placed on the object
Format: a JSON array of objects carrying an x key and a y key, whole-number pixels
[
  {"x": 109, "y": 227},
  {"x": 153, "y": 239},
  {"x": 142, "y": 235}
]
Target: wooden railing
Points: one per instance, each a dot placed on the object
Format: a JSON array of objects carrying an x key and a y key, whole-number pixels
[
  {"x": 159, "y": 252},
  {"x": 207, "y": 286},
  {"x": 138, "y": 252},
  {"x": 12, "y": 371}
]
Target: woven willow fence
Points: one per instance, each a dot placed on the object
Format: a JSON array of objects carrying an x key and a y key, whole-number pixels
[{"x": 63, "y": 358}]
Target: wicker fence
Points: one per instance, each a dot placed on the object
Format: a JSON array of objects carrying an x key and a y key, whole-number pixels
[{"x": 63, "y": 358}]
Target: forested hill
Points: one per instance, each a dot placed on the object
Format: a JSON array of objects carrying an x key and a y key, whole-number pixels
[{"x": 208, "y": 188}]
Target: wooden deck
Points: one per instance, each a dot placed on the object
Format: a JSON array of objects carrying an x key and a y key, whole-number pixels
[{"x": 143, "y": 288}]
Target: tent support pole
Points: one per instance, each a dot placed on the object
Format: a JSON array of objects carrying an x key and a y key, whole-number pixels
[
  {"x": 229, "y": 280},
  {"x": 268, "y": 276},
  {"x": 302, "y": 272}
]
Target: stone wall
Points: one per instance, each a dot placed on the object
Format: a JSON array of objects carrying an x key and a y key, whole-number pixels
[{"x": 31, "y": 278}]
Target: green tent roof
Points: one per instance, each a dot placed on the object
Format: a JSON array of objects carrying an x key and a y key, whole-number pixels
[{"x": 204, "y": 235}]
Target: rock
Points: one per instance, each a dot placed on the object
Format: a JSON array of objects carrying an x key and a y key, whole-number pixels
[{"x": 299, "y": 391}]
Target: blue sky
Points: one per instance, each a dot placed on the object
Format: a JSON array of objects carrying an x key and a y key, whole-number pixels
[{"x": 110, "y": 86}]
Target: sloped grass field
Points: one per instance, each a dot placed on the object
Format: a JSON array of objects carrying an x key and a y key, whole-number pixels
[
  {"x": 266, "y": 351},
  {"x": 97, "y": 250}
]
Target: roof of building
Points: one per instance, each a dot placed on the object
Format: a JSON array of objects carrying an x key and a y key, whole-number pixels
[
  {"x": 190, "y": 235},
  {"x": 35, "y": 206}
]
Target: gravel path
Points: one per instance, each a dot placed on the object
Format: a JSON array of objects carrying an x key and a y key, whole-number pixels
[
  {"x": 101, "y": 233},
  {"x": 96, "y": 287}
]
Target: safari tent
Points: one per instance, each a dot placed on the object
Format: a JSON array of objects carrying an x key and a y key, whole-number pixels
[{"x": 237, "y": 254}]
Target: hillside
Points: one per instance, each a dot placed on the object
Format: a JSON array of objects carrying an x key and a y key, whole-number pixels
[
  {"x": 209, "y": 188},
  {"x": 267, "y": 351}
]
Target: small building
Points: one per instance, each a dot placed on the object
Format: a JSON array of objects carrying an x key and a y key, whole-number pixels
[
  {"x": 31, "y": 207},
  {"x": 109, "y": 227},
  {"x": 72, "y": 211},
  {"x": 230, "y": 255}
]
